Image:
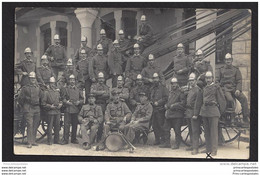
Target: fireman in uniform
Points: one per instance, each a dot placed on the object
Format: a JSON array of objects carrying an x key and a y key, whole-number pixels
[
  {"x": 90, "y": 117},
  {"x": 134, "y": 98},
  {"x": 83, "y": 67},
  {"x": 140, "y": 118},
  {"x": 30, "y": 99},
  {"x": 104, "y": 41},
  {"x": 26, "y": 66},
  {"x": 210, "y": 104},
  {"x": 134, "y": 66},
  {"x": 98, "y": 64},
  {"x": 117, "y": 114},
  {"x": 201, "y": 66},
  {"x": 44, "y": 73},
  {"x": 71, "y": 70},
  {"x": 146, "y": 34},
  {"x": 115, "y": 62},
  {"x": 57, "y": 56},
  {"x": 124, "y": 47},
  {"x": 230, "y": 80},
  {"x": 122, "y": 91},
  {"x": 181, "y": 65},
  {"x": 193, "y": 123},
  {"x": 101, "y": 91},
  {"x": 52, "y": 103},
  {"x": 159, "y": 96},
  {"x": 149, "y": 70},
  {"x": 174, "y": 115},
  {"x": 73, "y": 100},
  {"x": 84, "y": 41}
]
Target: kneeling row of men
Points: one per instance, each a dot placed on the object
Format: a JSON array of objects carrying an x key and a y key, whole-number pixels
[{"x": 167, "y": 110}]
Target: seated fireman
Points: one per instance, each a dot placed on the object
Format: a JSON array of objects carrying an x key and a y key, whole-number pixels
[
  {"x": 90, "y": 117},
  {"x": 117, "y": 114},
  {"x": 140, "y": 119}
]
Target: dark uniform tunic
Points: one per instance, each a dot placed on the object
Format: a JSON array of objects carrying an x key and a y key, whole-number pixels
[
  {"x": 98, "y": 64},
  {"x": 159, "y": 94},
  {"x": 115, "y": 113},
  {"x": 201, "y": 67},
  {"x": 146, "y": 32},
  {"x": 77, "y": 54},
  {"x": 52, "y": 97},
  {"x": 90, "y": 117},
  {"x": 101, "y": 91},
  {"x": 122, "y": 92},
  {"x": 148, "y": 72},
  {"x": 25, "y": 66},
  {"x": 126, "y": 50},
  {"x": 59, "y": 55},
  {"x": 134, "y": 66},
  {"x": 142, "y": 115},
  {"x": 73, "y": 95},
  {"x": 43, "y": 74},
  {"x": 210, "y": 104},
  {"x": 183, "y": 63},
  {"x": 30, "y": 98},
  {"x": 83, "y": 66},
  {"x": 115, "y": 63},
  {"x": 174, "y": 115},
  {"x": 134, "y": 97},
  {"x": 230, "y": 79}
]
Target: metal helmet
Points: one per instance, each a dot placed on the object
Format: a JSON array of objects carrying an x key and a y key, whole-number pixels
[
  {"x": 32, "y": 75},
  {"x": 199, "y": 52},
  {"x": 116, "y": 42},
  {"x": 174, "y": 80},
  {"x": 180, "y": 45},
  {"x": 155, "y": 75},
  {"x": 208, "y": 74},
  {"x": 99, "y": 47},
  {"x": 136, "y": 46},
  {"x": 44, "y": 57},
  {"x": 91, "y": 95},
  {"x": 83, "y": 51},
  {"x": 142, "y": 94},
  {"x": 100, "y": 75},
  {"x": 143, "y": 18},
  {"x": 69, "y": 62},
  {"x": 56, "y": 36},
  {"x": 192, "y": 76},
  {"x": 151, "y": 57},
  {"x": 72, "y": 76},
  {"x": 120, "y": 78},
  {"x": 27, "y": 50},
  {"x": 121, "y": 32},
  {"x": 102, "y": 32},
  {"x": 52, "y": 80},
  {"x": 228, "y": 56},
  {"x": 139, "y": 77},
  {"x": 83, "y": 38}
]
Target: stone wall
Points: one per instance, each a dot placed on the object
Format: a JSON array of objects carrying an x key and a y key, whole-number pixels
[{"x": 241, "y": 51}]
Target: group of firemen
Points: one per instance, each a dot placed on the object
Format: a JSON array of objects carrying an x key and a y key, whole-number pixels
[{"x": 138, "y": 99}]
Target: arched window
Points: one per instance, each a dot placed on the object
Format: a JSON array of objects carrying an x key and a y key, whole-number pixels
[
  {"x": 108, "y": 23},
  {"x": 129, "y": 23},
  {"x": 61, "y": 29}
]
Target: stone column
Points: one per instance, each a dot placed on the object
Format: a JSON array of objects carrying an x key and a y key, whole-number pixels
[
  {"x": 138, "y": 17},
  {"x": 118, "y": 19},
  {"x": 86, "y": 17},
  {"x": 209, "y": 37},
  {"x": 70, "y": 50},
  {"x": 53, "y": 30}
]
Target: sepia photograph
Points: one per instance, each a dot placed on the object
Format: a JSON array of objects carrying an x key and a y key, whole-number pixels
[{"x": 132, "y": 82}]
